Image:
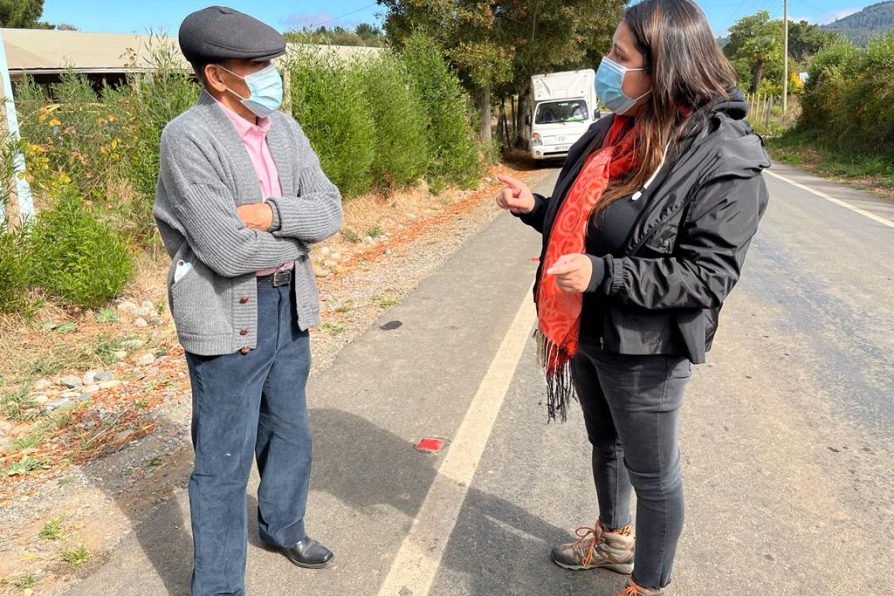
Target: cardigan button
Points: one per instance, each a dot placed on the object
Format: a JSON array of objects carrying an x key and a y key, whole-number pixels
[
  {"x": 243, "y": 332},
  {"x": 243, "y": 300}
]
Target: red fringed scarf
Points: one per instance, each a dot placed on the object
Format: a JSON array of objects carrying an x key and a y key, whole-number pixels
[{"x": 559, "y": 312}]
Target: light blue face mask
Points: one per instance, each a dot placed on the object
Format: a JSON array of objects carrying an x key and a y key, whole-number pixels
[
  {"x": 609, "y": 83},
  {"x": 265, "y": 91}
]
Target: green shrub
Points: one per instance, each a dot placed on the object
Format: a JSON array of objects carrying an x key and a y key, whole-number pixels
[
  {"x": 329, "y": 103},
  {"x": 81, "y": 258},
  {"x": 72, "y": 139},
  {"x": 825, "y": 92},
  {"x": 147, "y": 103},
  {"x": 847, "y": 98},
  {"x": 401, "y": 155},
  {"x": 872, "y": 97},
  {"x": 96, "y": 141},
  {"x": 15, "y": 253},
  {"x": 15, "y": 270},
  {"x": 455, "y": 156}
]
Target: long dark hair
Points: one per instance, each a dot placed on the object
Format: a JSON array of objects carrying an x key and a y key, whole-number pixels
[{"x": 688, "y": 71}]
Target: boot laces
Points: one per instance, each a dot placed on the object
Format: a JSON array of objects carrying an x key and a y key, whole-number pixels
[
  {"x": 631, "y": 589},
  {"x": 587, "y": 539}
]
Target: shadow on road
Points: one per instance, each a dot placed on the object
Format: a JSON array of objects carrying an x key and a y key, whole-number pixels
[{"x": 497, "y": 547}]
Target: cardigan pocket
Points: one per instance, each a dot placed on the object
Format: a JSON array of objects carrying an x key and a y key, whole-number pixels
[{"x": 200, "y": 301}]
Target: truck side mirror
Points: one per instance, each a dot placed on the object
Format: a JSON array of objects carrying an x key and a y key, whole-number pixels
[{"x": 597, "y": 114}]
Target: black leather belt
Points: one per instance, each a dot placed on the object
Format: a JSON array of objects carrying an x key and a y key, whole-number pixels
[{"x": 280, "y": 278}]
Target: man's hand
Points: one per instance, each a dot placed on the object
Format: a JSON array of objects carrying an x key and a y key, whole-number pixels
[
  {"x": 516, "y": 196},
  {"x": 573, "y": 273},
  {"x": 256, "y": 217}
]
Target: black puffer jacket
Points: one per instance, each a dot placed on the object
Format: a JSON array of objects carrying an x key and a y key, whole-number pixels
[{"x": 686, "y": 251}]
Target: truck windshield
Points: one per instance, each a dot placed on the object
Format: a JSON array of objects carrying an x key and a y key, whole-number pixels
[{"x": 561, "y": 111}]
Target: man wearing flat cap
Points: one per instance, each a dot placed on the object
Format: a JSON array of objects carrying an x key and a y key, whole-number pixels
[{"x": 240, "y": 199}]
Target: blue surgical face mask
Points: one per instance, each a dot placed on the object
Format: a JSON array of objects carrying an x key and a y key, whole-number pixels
[
  {"x": 609, "y": 83},
  {"x": 265, "y": 91}
]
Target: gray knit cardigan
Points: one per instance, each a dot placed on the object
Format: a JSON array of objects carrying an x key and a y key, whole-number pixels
[{"x": 205, "y": 173}]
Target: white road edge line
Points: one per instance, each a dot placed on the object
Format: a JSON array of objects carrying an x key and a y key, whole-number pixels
[
  {"x": 832, "y": 199},
  {"x": 419, "y": 557}
]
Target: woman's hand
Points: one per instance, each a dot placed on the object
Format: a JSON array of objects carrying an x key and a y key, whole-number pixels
[
  {"x": 573, "y": 273},
  {"x": 258, "y": 216},
  {"x": 516, "y": 197}
]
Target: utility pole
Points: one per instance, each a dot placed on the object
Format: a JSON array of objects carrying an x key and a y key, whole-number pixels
[
  {"x": 785, "y": 60},
  {"x": 19, "y": 207}
]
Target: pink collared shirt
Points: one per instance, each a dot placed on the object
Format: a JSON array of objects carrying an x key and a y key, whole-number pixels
[{"x": 254, "y": 136}]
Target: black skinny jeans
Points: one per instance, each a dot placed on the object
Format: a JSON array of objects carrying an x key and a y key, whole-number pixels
[{"x": 631, "y": 408}]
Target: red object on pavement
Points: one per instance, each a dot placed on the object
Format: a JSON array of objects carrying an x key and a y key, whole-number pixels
[{"x": 430, "y": 445}]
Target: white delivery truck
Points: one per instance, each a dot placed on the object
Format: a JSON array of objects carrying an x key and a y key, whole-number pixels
[{"x": 563, "y": 108}]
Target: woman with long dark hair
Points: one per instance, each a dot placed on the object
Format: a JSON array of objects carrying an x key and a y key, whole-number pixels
[{"x": 643, "y": 238}]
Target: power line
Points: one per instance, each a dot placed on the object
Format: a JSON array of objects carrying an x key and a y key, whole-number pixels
[{"x": 353, "y": 12}]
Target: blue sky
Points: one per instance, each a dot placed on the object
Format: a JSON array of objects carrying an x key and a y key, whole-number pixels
[{"x": 139, "y": 17}]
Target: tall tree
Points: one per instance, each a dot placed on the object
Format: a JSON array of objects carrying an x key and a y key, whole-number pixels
[
  {"x": 499, "y": 44},
  {"x": 555, "y": 35},
  {"x": 469, "y": 32},
  {"x": 21, "y": 14},
  {"x": 806, "y": 39},
  {"x": 755, "y": 42}
]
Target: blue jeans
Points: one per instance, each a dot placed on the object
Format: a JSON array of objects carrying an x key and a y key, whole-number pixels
[
  {"x": 244, "y": 406},
  {"x": 631, "y": 409}
]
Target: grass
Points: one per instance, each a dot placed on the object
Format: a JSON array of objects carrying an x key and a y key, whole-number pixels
[
  {"x": 346, "y": 307},
  {"x": 333, "y": 328},
  {"x": 870, "y": 171},
  {"x": 107, "y": 315},
  {"x": 45, "y": 366},
  {"x": 18, "y": 404},
  {"x": 28, "y": 441},
  {"x": 374, "y": 232},
  {"x": 52, "y": 529},
  {"x": 66, "y": 356},
  {"x": 76, "y": 556},
  {"x": 384, "y": 301},
  {"x": 24, "y": 466},
  {"x": 154, "y": 462},
  {"x": 62, "y": 418},
  {"x": 105, "y": 349},
  {"x": 351, "y": 236},
  {"x": 27, "y": 581}
]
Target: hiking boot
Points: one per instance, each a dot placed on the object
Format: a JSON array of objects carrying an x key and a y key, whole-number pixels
[
  {"x": 632, "y": 589},
  {"x": 597, "y": 548}
]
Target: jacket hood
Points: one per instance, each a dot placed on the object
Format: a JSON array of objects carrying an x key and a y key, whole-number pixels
[
  {"x": 720, "y": 134},
  {"x": 733, "y": 106}
]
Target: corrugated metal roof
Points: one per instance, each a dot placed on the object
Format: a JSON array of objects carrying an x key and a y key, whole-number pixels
[{"x": 35, "y": 51}]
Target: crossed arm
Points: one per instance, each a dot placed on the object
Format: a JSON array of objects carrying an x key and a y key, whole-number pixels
[
  {"x": 235, "y": 241},
  {"x": 313, "y": 215}
]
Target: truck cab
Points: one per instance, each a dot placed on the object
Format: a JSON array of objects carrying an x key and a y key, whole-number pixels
[{"x": 564, "y": 107}]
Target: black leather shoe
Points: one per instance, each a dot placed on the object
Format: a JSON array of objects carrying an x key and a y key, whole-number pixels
[{"x": 308, "y": 553}]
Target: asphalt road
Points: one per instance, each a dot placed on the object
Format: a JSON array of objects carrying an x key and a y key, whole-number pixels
[{"x": 787, "y": 433}]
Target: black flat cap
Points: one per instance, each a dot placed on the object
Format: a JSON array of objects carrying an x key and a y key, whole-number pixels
[{"x": 220, "y": 33}]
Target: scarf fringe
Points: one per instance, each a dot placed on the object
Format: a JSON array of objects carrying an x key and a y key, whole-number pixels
[{"x": 556, "y": 365}]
